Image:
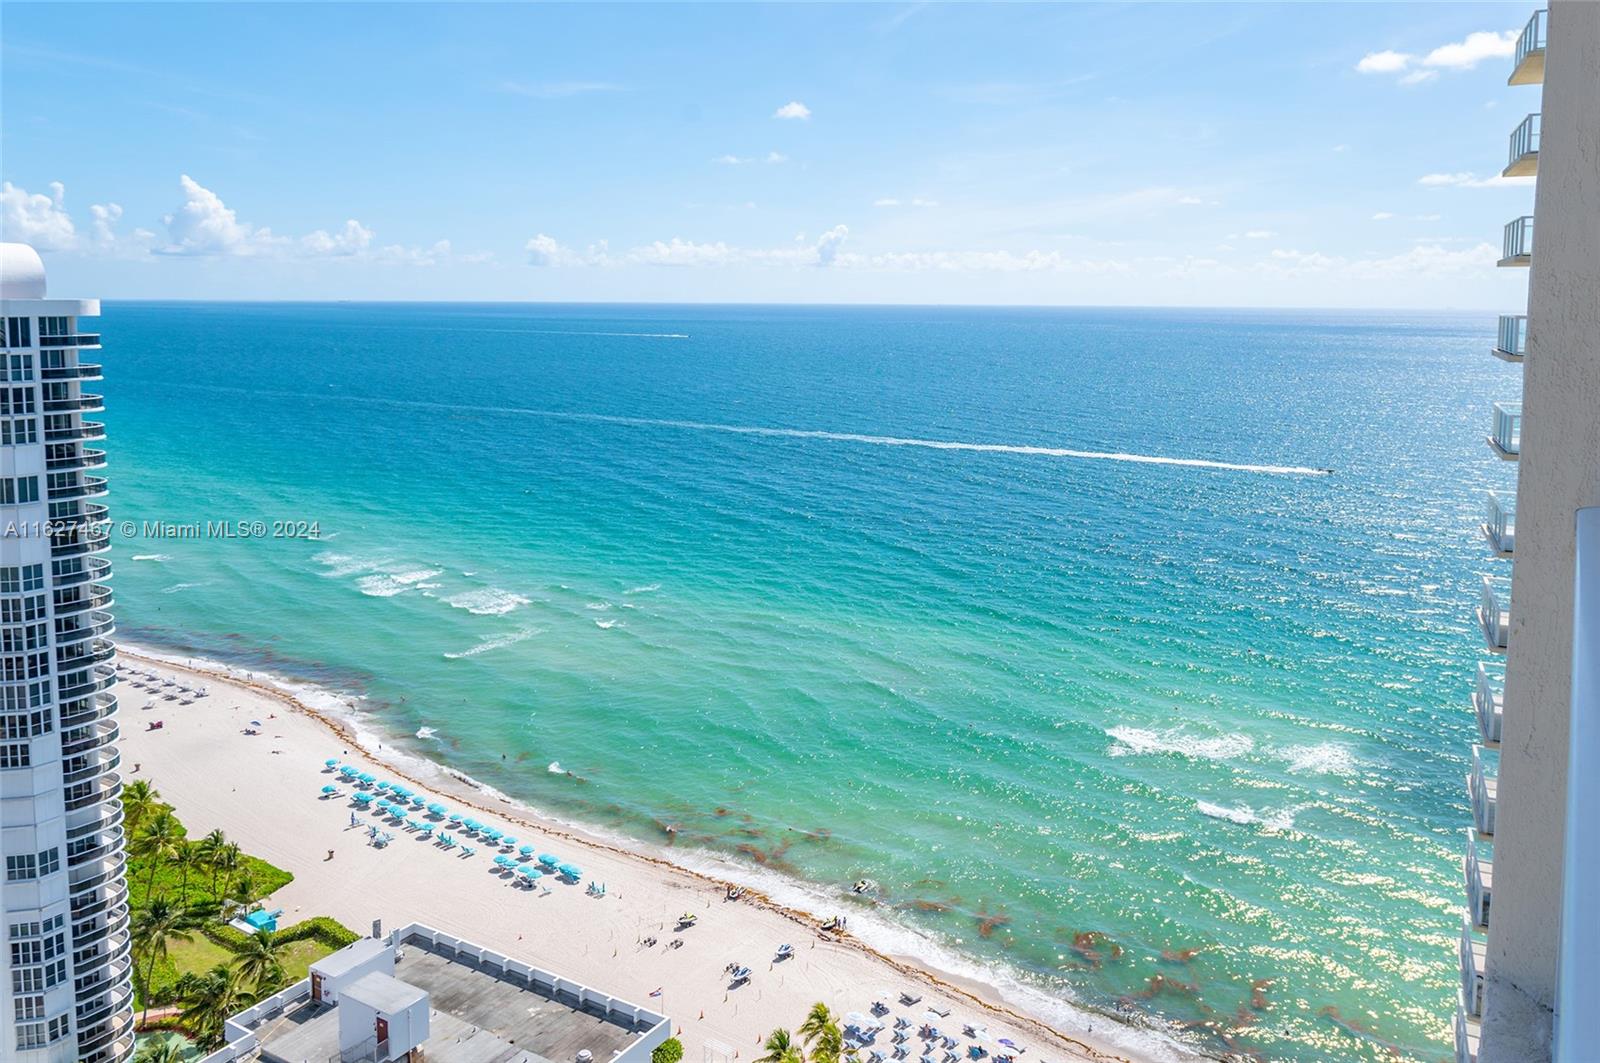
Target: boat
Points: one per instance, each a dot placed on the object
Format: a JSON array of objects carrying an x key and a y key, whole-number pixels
[
  {"x": 735, "y": 892},
  {"x": 864, "y": 885},
  {"x": 740, "y": 974},
  {"x": 835, "y": 923},
  {"x": 785, "y": 951},
  {"x": 687, "y": 919}
]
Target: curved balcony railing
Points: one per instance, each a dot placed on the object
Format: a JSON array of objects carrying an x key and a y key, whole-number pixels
[
  {"x": 1511, "y": 343},
  {"x": 87, "y": 487},
  {"x": 96, "y": 625},
  {"x": 100, "y": 735},
  {"x": 94, "y": 766},
  {"x": 81, "y": 654},
  {"x": 110, "y": 819},
  {"x": 74, "y": 404},
  {"x": 1480, "y": 882},
  {"x": 94, "y": 680},
  {"x": 84, "y": 430},
  {"x": 1484, "y": 788},
  {"x": 1499, "y": 526},
  {"x": 92, "y": 568},
  {"x": 1524, "y": 157},
  {"x": 84, "y": 459},
  {"x": 87, "y": 710},
  {"x": 1493, "y": 617},
  {"x": 1488, "y": 703},
  {"x": 97, "y": 596},
  {"x": 1505, "y": 435},
  {"x": 79, "y": 541},
  {"x": 1516, "y": 247},
  {"x": 1527, "y": 63},
  {"x": 112, "y": 844},
  {"x": 87, "y": 905},
  {"x": 106, "y": 788},
  {"x": 80, "y": 339},
  {"x": 104, "y": 1002},
  {"x": 81, "y": 371}
]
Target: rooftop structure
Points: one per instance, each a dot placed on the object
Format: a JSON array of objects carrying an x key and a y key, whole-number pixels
[{"x": 422, "y": 994}]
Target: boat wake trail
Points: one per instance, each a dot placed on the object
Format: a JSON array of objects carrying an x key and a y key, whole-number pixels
[
  {"x": 804, "y": 433},
  {"x": 938, "y": 444}
]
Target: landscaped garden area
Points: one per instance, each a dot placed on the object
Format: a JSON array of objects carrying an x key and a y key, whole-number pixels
[{"x": 192, "y": 969}]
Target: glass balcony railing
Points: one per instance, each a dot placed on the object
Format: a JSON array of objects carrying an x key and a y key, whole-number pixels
[
  {"x": 1516, "y": 247},
  {"x": 1512, "y": 341},
  {"x": 1524, "y": 157},
  {"x": 1527, "y": 64},
  {"x": 1505, "y": 436},
  {"x": 84, "y": 339},
  {"x": 1499, "y": 525},
  {"x": 1483, "y": 784},
  {"x": 1494, "y": 613},
  {"x": 1488, "y": 700},
  {"x": 1480, "y": 881}
]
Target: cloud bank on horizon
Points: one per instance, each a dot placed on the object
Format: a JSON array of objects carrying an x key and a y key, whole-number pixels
[{"x": 1173, "y": 182}]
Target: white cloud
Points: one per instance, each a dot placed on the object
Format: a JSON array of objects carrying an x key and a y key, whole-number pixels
[
  {"x": 353, "y": 238},
  {"x": 1427, "y": 217},
  {"x": 36, "y": 218},
  {"x": 1383, "y": 215},
  {"x": 1190, "y": 201},
  {"x": 1430, "y": 259},
  {"x": 1467, "y": 179},
  {"x": 204, "y": 225},
  {"x": 1458, "y": 55},
  {"x": 1260, "y": 234},
  {"x": 828, "y": 245},
  {"x": 547, "y": 251},
  {"x": 888, "y": 201},
  {"x": 777, "y": 157},
  {"x": 557, "y": 90},
  {"x": 914, "y": 201},
  {"x": 1466, "y": 54},
  {"x": 1385, "y": 62},
  {"x": 794, "y": 109},
  {"x": 772, "y": 158}
]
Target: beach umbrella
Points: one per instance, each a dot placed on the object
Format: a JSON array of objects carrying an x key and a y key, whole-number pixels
[
  {"x": 330, "y": 789},
  {"x": 348, "y": 772},
  {"x": 330, "y": 762},
  {"x": 367, "y": 777},
  {"x": 455, "y": 817},
  {"x": 418, "y": 801},
  {"x": 501, "y": 861},
  {"x": 526, "y": 850},
  {"x": 362, "y": 799},
  {"x": 384, "y": 785},
  {"x": 570, "y": 871},
  {"x": 509, "y": 841},
  {"x": 436, "y": 809},
  {"x": 549, "y": 859},
  {"x": 530, "y": 873}
]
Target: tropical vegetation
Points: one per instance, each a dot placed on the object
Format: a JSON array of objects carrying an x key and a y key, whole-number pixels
[
  {"x": 818, "y": 1039},
  {"x": 188, "y": 961}
]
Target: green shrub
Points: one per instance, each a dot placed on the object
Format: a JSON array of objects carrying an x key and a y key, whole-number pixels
[{"x": 668, "y": 1051}]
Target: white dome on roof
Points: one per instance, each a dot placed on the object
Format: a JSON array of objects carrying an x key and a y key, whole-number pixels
[{"x": 21, "y": 272}]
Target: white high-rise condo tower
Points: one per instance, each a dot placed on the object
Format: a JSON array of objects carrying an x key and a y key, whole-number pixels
[{"x": 67, "y": 992}]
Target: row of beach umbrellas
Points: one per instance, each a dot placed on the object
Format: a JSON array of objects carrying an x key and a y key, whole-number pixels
[{"x": 400, "y": 810}]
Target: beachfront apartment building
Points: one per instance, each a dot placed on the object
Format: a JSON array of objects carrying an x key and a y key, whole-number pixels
[
  {"x": 65, "y": 968},
  {"x": 1532, "y": 927}
]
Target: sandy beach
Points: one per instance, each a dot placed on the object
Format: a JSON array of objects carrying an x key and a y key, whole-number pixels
[{"x": 263, "y": 791}]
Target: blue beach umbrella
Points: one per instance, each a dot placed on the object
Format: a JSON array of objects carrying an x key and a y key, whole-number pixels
[
  {"x": 436, "y": 809},
  {"x": 529, "y": 873},
  {"x": 455, "y": 817},
  {"x": 367, "y": 777},
  {"x": 330, "y": 789},
  {"x": 363, "y": 799},
  {"x": 502, "y": 861},
  {"x": 570, "y": 870},
  {"x": 418, "y": 801},
  {"x": 330, "y": 762},
  {"x": 549, "y": 859},
  {"x": 348, "y": 772},
  {"x": 526, "y": 850}
]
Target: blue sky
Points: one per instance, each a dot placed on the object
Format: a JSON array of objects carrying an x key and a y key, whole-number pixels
[{"x": 1173, "y": 154}]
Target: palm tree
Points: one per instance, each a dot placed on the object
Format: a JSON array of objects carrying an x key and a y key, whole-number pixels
[
  {"x": 207, "y": 849},
  {"x": 260, "y": 962},
  {"x": 139, "y": 800},
  {"x": 822, "y": 1034},
  {"x": 228, "y": 860},
  {"x": 244, "y": 887},
  {"x": 153, "y": 927},
  {"x": 214, "y": 997},
  {"x": 781, "y": 1048},
  {"x": 187, "y": 859},
  {"x": 163, "y": 1050},
  {"x": 157, "y": 843}
]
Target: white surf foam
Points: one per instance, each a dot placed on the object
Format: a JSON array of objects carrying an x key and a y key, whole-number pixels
[
  {"x": 178, "y": 588},
  {"x": 646, "y": 589},
  {"x": 598, "y": 606},
  {"x": 1270, "y": 822},
  {"x": 1326, "y": 758},
  {"x": 1136, "y": 741},
  {"x": 555, "y": 768},
  {"x": 151, "y": 557},
  {"x": 607, "y": 624},
  {"x": 427, "y": 732},
  {"x": 489, "y": 601},
  {"x": 494, "y": 643}
]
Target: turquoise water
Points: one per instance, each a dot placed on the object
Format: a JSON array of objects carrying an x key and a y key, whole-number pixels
[{"x": 1142, "y": 735}]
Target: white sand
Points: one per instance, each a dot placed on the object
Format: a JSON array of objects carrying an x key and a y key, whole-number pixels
[{"x": 263, "y": 792}]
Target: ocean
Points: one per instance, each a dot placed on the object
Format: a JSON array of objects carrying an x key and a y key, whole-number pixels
[{"x": 1177, "y": 740}]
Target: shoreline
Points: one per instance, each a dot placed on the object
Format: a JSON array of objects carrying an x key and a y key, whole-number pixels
[{"x": 1115, "y": 1040}]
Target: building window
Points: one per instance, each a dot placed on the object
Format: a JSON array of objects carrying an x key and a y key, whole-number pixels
[
  {"x": 17, "y": 400},
  {"x": 22, "y": 610},
  {"x": 15, "y": 755},
  {"x": 19, "y": 331},
  {"x": 15, "y": 579},
  {"x": 21, "y": 637},
  {"x": 22, "y": 867},
  {"x": 24, "y": 666},
  {"x": 18, "y": 490},
  {"x": 30, "y": 1008},
  {"x": 18, "y": 432},
  {"x": 55, "y": 326},
  {"x": 21, "y": 725}
]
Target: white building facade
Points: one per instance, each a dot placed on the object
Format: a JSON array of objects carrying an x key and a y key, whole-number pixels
[{"x": 66, "y": 990}]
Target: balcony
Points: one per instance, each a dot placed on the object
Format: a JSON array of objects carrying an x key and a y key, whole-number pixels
[
  {"x": 83, "y": 339},
  {"x": 83, "y": 459},
  {"x": 1474, "y": 953},
  {"x": 1516, "y": 246},
  {"x": 91, "y": 403},
  {"x": 1527, "y": 66},
  {"x": 1505, "y": 437},
  {"x": 96, "y": 597},
  {"x": 1499, "y": 526},
  {"x": 83, "y": 431},
  {"x": 1488, "y": 701},
  {"x": 86, "y": 487},
  {"x": 1494, "y": 618},
  {"x": 1512, "y": 344},
  {"x": 1524, "y": 157},
  {"x": 72, "y": 687},
  {"x": 95, "y": 625},
  {"x": 1468, "y": 1031},
  {"x": 1480, "y": 883},
  {"x": 1484, "y": 789},
  {"x": 93, "y": 568},
  {"x": 81, "y": 371}
]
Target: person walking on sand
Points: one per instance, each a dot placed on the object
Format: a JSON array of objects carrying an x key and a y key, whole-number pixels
[{"x": 330, "y": 854}]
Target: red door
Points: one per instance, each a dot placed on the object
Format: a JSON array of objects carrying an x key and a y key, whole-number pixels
[{"x": 316, "y": 986}]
